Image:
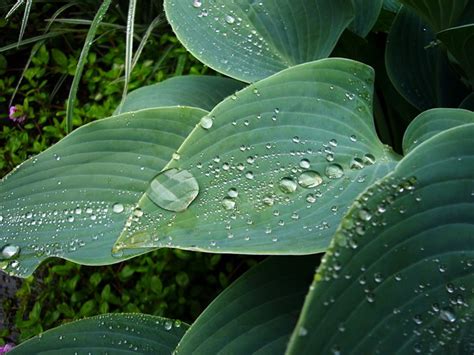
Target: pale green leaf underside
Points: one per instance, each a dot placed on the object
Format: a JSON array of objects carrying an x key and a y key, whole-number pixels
[
  {"x": 109, "y": 333},
  {"x": 251, "y": 40},
  {"x": 61, "y": 203},
  {"x": 398, "y": 277},
  {"x": 306, "y": 118},
  {"x": 440, "y": 14},
  {"x": 432, "y": 122},
  {"x": 418, "y": 68},
  {"x": 460, "y": 43},
  {"x": 366, "y": 15},
  {"x": 191, "y": 90},
  {"x": 256, "y": 314}
]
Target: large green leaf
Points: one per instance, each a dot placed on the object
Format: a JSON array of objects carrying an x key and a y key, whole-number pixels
[
  {"x": 440, "y": 14},
  {"x": 366, "y": 14},
  {"x": 72, "y": 200},
  {"x": 418, "y": 68},
  {"x": 398, "y": 277},
  {"x": 251, "y": 40},
  {"x": 460, "y": 43},
  {"x": 391, "y": 5},
  {"x": 432, "y": 122},
  {"x": 273, "y": 167},
  {"x": 257, "y": 313},
  {"x": 192, "y": 90},
  {"x": 109, "y": 333}
]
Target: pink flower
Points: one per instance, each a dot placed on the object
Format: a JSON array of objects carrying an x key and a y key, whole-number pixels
[
  {"x": 16, "y": 114},
  {"x": 7, "y": 347}
]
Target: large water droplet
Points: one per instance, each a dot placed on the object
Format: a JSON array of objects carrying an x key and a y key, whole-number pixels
[
  {"x": 173, "y": 190},
  {"x": 228, "y": 203},
  {"x": 447, "y": 315},
  {"x": 229, "y": 19},
  {"x": 118, "y": 208},
  {"x": 287, "y": 185},
  {"x": 233, "y": 193},
  {"x": 10, "y": 251},
  {"x": 197, "y": 3},
  {"x": 334, "y": 171},
  {"x": 305, "y": 164},
  {"x": 206, "y": 122},
  {"x": 310, "y": 179}
]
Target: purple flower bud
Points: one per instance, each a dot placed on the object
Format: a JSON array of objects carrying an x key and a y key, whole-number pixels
[
  {"x": 16, "y": 115},
  {"x": 6, "y": 348}
]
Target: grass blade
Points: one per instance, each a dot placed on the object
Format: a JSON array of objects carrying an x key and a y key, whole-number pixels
[
  {"x": 129, "y": 48},
  {"x": 14, "y": 8},
  {"x": 157, "y": 21},
  {"x": 36, "y": 39},
  {"x": 82, "y": 60}
]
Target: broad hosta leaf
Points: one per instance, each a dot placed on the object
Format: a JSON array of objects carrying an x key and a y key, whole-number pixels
[
  {"x": 276, "y": 165},
  {"x": 432, "y": 122},
  {"x": 468, "y": 102},
  {"x": 110, "y": 333},
  {"x": 398, "y": 277},
  {"x": 251, "y": 40},
  {"x": 418, "y": 68},
  {"x": 391, "y": 5},
  {"x": 257, "y": 313},
  {"x": 440, "y": 14},
  {"x": 460, "y": 43},
  {"x": 193, "y": 90},
  {"x": 72, "y": 200},
  {"x": 366, "y": 15}
]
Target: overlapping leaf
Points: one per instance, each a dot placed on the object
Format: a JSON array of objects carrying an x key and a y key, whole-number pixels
[
  {"x": 257, "y": 313},
  {"x": 251, "y": 40},
  {"x": 275, "y": 165},
  {"x": 366, "y": 15},
  {"x": 432, "y": 122},
  {"x": 399, "y": 274},
  {"x": 72, "y": 200},
  {"x": 192, "y": 90},
  {"x": 418, "y": 68},
  {"x": 109, "y": 333}
]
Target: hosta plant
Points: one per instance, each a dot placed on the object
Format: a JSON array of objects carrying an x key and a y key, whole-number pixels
[{"x": 292, "y": 155}]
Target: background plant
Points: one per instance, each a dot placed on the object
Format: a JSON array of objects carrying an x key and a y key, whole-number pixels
[{"x": 298, "y": 145}]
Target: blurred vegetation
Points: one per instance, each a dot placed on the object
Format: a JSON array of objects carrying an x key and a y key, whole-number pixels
[{"x": 171, "y": 283}]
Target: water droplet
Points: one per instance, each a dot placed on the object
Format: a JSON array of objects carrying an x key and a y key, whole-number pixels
[
  {"x": 268, "y": 200},
  {"x": 369, "y": 159},
  {"x": 365, "y": 215},
  {"x": 310, "y": 198},
  {"x": 296, "y": 139},
  {"x": 447, "y": 315},
  {"x": 197, "y": 3},
  {"x": 305, "y": 164},
  {"x": 249, "y": 175},
  {"x": 353, "y": 138},
  {"x": 118, "y": 208},
  {"x": 168, "y": 325},
  {"x": 310, "y": 179},
  {"x": 206, "y": 122},
  {"x": 302, "y": 332},
  {"x": 287, "y": 185},
  {"x": 232, "y": 193},
  {"x": 334, "y": 171},
  {"x": 173, "y": 190},
  {"x": 333, "y": 142},
  {"x": 176, "y": 156},
  {"x": 357, "y": 163},
  {"x": 228, "y": 203},
  {"x": 229, "y": 19},
  {"x": 10, "y": 251}
]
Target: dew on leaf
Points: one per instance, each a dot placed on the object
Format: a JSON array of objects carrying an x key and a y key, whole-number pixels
[
  {"x": 305, "y": 164},
  {"x": 10, "y": 251},
  {"x": 206, "y": 122},
  {"x": 173, "y": 190},
  {"x": 334, "y": 171},
  {"x": 118, "y": 208},
  {"x": 310, "y": 179},
  {"x": 287, "y": 185},
  {"x": 228, "y": 203}
]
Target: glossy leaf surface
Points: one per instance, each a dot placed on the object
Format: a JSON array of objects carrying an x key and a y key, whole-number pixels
[
  {"x": 72, "y": 200},
  {"x": 398, "y": 277},
  {"x": 366, "y": 15},
  {"x": 109, "y": 333},
  {"x": 251, "y": 40},
  {"x": 276, "y": 166},
  {"x": 257, "y": 313}
]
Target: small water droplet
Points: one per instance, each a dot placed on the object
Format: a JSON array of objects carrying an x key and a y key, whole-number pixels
[
  {"x": 249, "y": 175},
  {"x": 365, "y": 215},
  {"x": 310, "y": 179},
  {"x": 229, "y": 19},
  {"x": 447, "y": 315},
  {"x": 232, "y": 193},
  {"x": 305, "y": 164},
  {"x": 334, "y": 171},
  {"x": 369, "y": 159},
  {"x": 287, "y": 185},
  {"x": 333, "y": 142},
  {"x": 228, "y": 203},
  {"x": 353, "y": 138},
  {"x": 197, "y": 3},
  {"x": 168, "y": 325},
  {"x": 310, "y": 198},
  {"x": 357, "y": 163}
]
